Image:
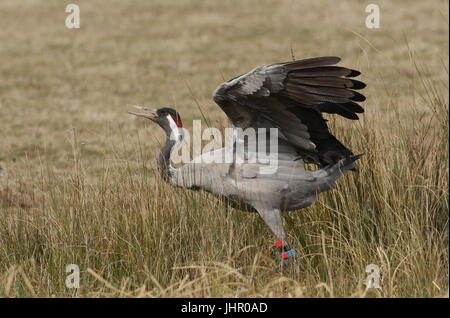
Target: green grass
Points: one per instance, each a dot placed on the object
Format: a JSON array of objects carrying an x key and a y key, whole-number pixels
[{"x": 77, "y": 174}]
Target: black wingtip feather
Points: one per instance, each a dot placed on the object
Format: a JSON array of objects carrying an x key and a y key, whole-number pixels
[
  {"x": 341, "y": 110},
  {"x": 353, "y": 107},
  {"x": 354, "y": 73},
  {"x": 358, "y": 97},
  {"x": 357, "y": 84},
  {"x": 351, "y": 116}
]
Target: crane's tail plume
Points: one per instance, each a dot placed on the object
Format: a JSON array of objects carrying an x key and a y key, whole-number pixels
[
  {"x": 346, "y": 162},
  {"x": 342, "y": 166}
]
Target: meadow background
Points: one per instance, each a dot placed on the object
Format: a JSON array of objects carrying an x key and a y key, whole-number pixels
[{"x": 77, "y": 178}]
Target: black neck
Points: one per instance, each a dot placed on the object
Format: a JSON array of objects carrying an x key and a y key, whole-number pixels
[{"x": 164, "y": 160}]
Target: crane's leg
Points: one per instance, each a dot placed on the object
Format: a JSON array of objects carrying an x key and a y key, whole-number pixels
[{"x": 274, "y": 220}]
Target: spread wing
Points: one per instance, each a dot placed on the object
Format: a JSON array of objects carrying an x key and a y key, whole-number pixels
[{"x": 292, "y": 97}]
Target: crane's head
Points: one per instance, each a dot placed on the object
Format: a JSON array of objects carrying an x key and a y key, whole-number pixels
[{"x": 167, "y": 118}]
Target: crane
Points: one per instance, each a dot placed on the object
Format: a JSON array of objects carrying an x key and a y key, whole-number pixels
[{"x": 289, "y": 97}]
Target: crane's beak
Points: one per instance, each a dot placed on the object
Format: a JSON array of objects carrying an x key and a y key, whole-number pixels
[{"x": 144, "y": 112}]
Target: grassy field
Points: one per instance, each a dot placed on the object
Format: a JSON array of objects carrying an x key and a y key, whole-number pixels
[{"x": 77, "y": 173}]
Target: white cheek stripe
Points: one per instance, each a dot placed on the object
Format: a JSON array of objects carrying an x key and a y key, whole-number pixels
[{"x": 175, "y": 134}]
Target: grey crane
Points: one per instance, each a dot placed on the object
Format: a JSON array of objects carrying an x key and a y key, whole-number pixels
[{"x": 291, "y": 98}]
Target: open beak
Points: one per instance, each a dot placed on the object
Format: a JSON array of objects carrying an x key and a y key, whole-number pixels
[{"x": 144, "y": 112}]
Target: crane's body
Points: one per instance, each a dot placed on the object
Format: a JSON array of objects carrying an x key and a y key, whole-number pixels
[
  {"x": 289, "y": 187},
  {"x": 289, "y": 97}
]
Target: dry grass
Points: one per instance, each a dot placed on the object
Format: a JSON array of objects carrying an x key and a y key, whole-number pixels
[{"x": 77, "y": 181}]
